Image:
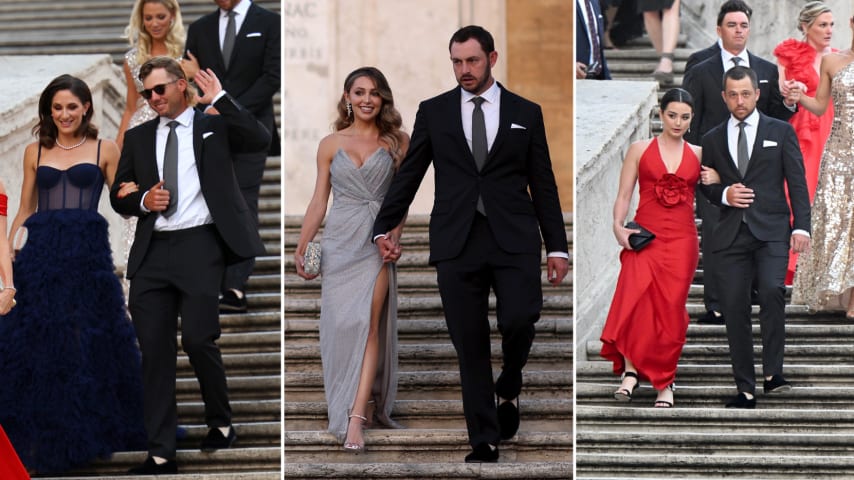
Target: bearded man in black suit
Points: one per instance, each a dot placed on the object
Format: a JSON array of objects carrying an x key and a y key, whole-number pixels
[{"x": 495, "y": 193}]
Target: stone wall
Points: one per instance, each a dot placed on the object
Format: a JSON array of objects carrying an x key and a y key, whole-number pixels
[
  {"x": 22, "y": 81},
  {"x": 772, "y": 22},
  {"x": 408, "y": 41},
  {"x": 612, "y": 116}
]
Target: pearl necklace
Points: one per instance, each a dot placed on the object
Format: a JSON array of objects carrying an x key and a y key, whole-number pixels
[{"x": 71, "y": 147}]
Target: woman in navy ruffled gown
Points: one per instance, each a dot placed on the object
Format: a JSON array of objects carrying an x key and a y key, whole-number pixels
[{"x": 70, "y": 374}]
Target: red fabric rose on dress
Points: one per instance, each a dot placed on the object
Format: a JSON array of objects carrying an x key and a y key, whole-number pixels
[{"x": 671, "y": 190}]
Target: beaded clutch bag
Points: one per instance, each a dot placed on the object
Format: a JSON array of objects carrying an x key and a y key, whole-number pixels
[{"x": 312, "y": 258}]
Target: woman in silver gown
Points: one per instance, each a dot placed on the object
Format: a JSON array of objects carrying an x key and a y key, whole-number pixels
[
  {"x": 825, "y": 276},
  {"x": 358, "y": 316}
]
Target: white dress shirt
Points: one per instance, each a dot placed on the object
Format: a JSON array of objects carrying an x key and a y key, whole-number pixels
[
  {"x": 240, "y": 10},
  {"x": 491, "y": 109}
]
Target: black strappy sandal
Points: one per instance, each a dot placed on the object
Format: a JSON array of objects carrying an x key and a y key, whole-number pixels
[{"x": 625, "y": 394}]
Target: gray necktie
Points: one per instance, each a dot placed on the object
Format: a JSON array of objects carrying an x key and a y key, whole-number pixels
[
  {"x": 170, "y": 169},
  {"x": 742, "y": 149},
  {"x": 228, "y": 41},
  {"x": 736, "y": 60},
  {"x": 479, "y": 145}
]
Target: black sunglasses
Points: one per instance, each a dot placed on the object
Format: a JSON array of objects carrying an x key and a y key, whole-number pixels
[{"x": 158, "y": 89}]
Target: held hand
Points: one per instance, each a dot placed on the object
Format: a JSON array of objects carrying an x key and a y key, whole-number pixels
[
  {"x": 709, "y": 176},
  {"x": 622, "y": 234},
  {"x": 126, "y": 188},
  {"x": 190, "y": 65},
  {"x": 388, "y": 249},
  {"x": 210, "y": 85},
  {"x": 299, "y": 261},
  {"x": 800, "y": 243},
  {"x": 580, "y": 71},
  {"x": 557, "y": 268},
  {"x": 157, "y": 199},
  {"x": 791, "y": 92},
  {"x": 739, "y": 196}
]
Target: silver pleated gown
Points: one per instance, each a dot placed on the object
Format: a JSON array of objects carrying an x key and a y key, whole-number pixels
[{"x": 350, "y": 263}]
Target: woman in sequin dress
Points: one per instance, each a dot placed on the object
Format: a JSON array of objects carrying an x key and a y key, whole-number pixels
[
  {"x": 800, "y": 61},
  {"x": 358, "y": 312},
  {"x": 155, "y": 29},
  {"x": 825, "y": 276}
]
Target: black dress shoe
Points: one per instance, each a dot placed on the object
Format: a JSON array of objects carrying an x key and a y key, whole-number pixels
[
  {"x": 231, "y": 303},
  {"x": 741, "y": 401},
  {"x": 508, "y": 418},
  {"x": 777, "y": 384},
  {"x": 150, "y": 467},
  {"x": 483, "y": 453},
  {"x": 710, "y": 318},
  {"x": 215, "y": 440}
]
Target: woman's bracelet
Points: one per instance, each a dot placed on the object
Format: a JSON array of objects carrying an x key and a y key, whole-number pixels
[{"x": 9, "y": 288}]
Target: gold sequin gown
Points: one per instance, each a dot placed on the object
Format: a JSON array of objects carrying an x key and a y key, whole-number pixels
[{"x": 825, "y": 276}]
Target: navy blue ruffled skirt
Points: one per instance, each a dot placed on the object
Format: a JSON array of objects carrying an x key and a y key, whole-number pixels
[{"x": 70, "y": 371}]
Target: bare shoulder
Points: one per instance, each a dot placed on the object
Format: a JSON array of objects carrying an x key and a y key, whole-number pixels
[{"x": 329, "y": 145}]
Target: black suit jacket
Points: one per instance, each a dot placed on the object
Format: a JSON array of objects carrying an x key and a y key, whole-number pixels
[
  {"x": 517, "y": 163},
  {"x": 701, "y": 55},
  {"x": 253, "y": 75},
  {"x": 775, "y": 158},
  {"x": 582, "y": 39},
  {"x": 215, "y": 137},
  {"x": 705, "y": 83}
]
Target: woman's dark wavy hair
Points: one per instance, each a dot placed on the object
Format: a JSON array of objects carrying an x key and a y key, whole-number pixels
[
  {"x": 388, "y": 120},
  {"x": 676, "y": 95},
  {"x": 45, "y": 129}
]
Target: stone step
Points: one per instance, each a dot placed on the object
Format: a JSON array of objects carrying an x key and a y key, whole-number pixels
[
  {"x": 240, "y": 387},
  {"x": 419, "y": 471},
  {"x": 233, "y": 463},
  {"x": 421, "y": 305},
  {"x": 537, "y": 414},
  {"x": 442, "y": 385},
  {"x": 244, "y": 411},
  {"x": 434, "y": 356},
  {"x": 794, "y": 353},
  {"x": 422, "y": 446},
  {"x": 306, "y": 330}
]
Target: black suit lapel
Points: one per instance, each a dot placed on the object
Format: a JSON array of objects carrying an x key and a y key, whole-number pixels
[
  {"x": 453, "y": 112},
  {"x": 149, "y": 152},
  {"x": 729, "y": 162},
  {"x": 504, "y": 115},
  {"x": 199, "y": 127}
]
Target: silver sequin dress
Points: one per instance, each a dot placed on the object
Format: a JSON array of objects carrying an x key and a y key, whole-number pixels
[
  {"x": 825, "y": 276},
  {"x": 349, "y": 267}
]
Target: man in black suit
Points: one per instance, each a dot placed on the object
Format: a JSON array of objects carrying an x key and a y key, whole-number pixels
[
  {"x": 704, "y": 83},
  {"x": 590, "y": 61},
  {"x": 756, "y": 156},
  {"x": 192, "y": 222},
  {"x": 247, "y": 61},
  {"x": 495, "y": 192}
]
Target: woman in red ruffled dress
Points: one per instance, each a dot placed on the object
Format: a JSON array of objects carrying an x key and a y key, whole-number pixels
[
  {"x": 799, "y": 61},
  {"x": 646, "y": 325}
]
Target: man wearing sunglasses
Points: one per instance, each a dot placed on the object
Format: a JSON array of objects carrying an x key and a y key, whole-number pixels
[{"x": 193, "y": 221}]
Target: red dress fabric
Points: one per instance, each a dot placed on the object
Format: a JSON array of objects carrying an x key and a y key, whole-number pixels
[
  {"x": 10, "y": 466},
  {"x": 648, "y": 320},
  {"x": 812, "y": 131}
]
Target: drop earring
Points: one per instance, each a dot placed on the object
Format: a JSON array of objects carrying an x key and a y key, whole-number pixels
[{"x": 349, "y": 110}]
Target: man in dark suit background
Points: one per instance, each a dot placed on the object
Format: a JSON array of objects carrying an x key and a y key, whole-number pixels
[
  {"x": 590, "y": 61},
  {"x": 704, "y": 82},
  {"x": 193, "y": 221},
  {"x": 754, "y": 155},
  {"x": 495, "y": 193},
  {"x": 248, "y": 63}
]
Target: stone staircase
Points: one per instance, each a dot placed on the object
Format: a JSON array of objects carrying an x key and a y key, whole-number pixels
[
  {"x": 429, "y": 400},
  {"x": 807, "y": 433},
  {"x": 251, "y": 342}
]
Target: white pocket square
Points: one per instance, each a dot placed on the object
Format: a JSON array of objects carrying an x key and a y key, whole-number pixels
[
  {"x": 768, "y": 143},
  {"x": 763, "y": 81},
  {"x": 253, "y": 34},
  {"x": 206, "y": 135},
  {"x": 516, "y": 125}
]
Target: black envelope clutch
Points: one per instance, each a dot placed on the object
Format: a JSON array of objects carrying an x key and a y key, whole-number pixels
[{"x": 639, "y": 240}]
